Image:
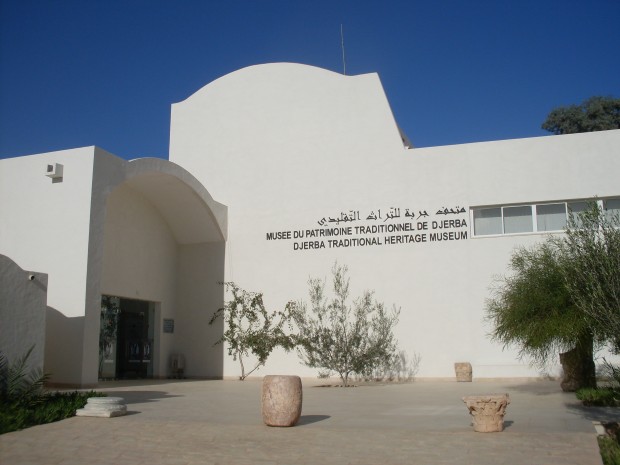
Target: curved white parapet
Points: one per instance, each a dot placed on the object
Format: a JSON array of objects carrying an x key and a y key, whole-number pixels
[{"x": 270, "y": 116}]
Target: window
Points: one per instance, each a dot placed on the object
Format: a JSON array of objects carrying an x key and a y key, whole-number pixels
[
  {"x": 551, "y": 217},
  {"x": 575, "y": 208},
  {"x": 544, "y": 217},
  {"x": 518, "y": 219},
  {"x": 487, "y": 221},
  {"x": 612, "y": 208}
]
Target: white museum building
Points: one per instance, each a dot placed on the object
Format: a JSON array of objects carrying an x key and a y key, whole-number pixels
[{"x": 275, "y": 173}]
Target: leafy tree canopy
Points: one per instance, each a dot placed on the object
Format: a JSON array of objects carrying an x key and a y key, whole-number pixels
[
  {"x": 591, "y": 251},
  {"x": 532, "y": 307},
  {"x": 563, "y": 295},
  {"x": 594, "y": 114}
]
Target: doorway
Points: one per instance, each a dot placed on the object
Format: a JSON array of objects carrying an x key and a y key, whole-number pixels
[{"x": 126, "y": 338}]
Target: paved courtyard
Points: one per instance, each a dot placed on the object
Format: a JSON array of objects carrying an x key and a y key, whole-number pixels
[{"x": 219, "y": 422}]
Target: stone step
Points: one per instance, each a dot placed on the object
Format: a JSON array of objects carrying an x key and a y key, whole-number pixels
[{"x": 105, "y": 407}]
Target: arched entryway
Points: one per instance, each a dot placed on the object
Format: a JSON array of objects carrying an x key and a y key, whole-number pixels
[{"x": 162, "y": 262}]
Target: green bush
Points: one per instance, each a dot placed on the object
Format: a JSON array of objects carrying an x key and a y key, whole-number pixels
[
  {"x": 49, "y": 408},
  {"x": 599, "y": 396},
  {"x": 337, "y": 336},
  {"x": 610, "y": 450},
  {"x": 24, "y": 402},
  {"x": 19, "y": 383}
]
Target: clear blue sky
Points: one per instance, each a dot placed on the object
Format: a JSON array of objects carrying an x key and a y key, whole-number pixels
[{"x": 85, "y": 72}]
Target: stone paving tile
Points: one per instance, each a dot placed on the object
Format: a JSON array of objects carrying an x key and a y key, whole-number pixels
[{"x": 200, "y": 422}]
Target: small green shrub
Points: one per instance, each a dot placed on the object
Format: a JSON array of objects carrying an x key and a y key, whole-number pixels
[
  {"x": 609, "y": 397},
  {"x": 610, "y": 450},
  {"x": 20, "y": 384},
  {"x": 49, "y": 408},
  {"x": 23, "y": 400}
]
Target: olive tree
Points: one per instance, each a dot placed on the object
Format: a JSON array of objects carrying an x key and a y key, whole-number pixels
[
  {"x": 532, "y": 309},
  {"x": 591, "y": 250},
  {"x": 563, "y": 295},
  {"x": 337, "y": 336},
  {"x": 251, "y": 329}
]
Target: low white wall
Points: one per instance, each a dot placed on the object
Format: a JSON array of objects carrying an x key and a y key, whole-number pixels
[{"x": 23, "y": 298}]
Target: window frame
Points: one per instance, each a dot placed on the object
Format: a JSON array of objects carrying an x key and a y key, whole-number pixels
[{"x": 601, "y": 202}]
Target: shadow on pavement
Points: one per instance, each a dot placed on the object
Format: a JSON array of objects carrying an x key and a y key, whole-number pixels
[
  {"x": 537, "y": 388},
  {"x": 138, "y": 397},
  {"x": 308, "y": 419},
  {"x": 602, "y": 414}
]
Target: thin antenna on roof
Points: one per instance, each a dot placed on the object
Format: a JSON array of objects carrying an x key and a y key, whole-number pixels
[{"x": 344, "y": 65}]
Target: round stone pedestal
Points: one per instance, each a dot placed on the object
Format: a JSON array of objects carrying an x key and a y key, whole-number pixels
[
  {"x": 281, "y": 400},
  {"x": 487, "y": 411}
]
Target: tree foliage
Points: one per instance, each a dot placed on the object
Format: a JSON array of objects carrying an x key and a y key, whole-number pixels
[
  {"x": 19, "y": 383},
  {"x": 591, "y": 250},
  {"x": 250, "y": 329},
  {"x": 532, "y": 307},
  {"x": 338, "y": 337},
  {"x": 563, "y": 295},
  {"x": 398, "y": 367},
  {"x": 24, "y": 402},
  {"x": 594, "y": 114},
  {"x": 108, "y": 326}
]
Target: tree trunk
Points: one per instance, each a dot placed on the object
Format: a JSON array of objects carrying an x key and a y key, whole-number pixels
[
  {"x": 242, "y": 377},
  {"x": 578, "y": 365}
]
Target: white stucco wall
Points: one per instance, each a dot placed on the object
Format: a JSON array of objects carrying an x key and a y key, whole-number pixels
[
  {"x": 143, "y": 260},
  {"x": 287, "y": 146},
  {"x": 110, "y": 226},
  {"x": 38, "y": 215},
  {"x": 45, "y": 227},
  {"x": 200, "y": 273}
]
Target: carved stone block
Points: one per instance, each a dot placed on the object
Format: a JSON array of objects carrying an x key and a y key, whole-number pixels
[
  {"x": 487, "y": 411},
  {"x": 463, "y": 372},
  {"x": 281, "y": 400}
]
